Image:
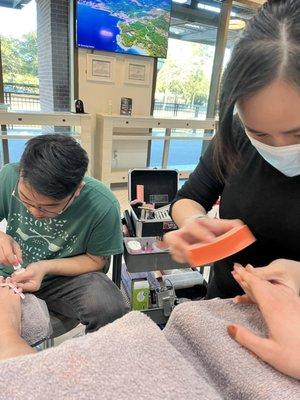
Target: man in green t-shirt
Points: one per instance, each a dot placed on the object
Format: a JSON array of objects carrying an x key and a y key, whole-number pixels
[{"x": 61, "y": 227}]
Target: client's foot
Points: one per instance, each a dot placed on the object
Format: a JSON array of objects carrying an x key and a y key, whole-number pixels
[
  {"x": 10, "y": 310},
  {"x": 11, "y": 343}
]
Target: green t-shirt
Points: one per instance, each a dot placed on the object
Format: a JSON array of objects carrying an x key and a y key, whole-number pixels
[{"x": 91, "y": 224}]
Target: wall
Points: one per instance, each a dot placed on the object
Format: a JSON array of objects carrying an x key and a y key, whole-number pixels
[{"x": 96, "y": 97}]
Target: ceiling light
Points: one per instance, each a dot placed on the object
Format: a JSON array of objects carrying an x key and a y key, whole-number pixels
[
  {"x": 182, "y": 1},
  {"x": 236, "y": 24}
]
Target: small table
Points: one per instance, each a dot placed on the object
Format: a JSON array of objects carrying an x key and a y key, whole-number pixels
[
  {"x": 146, "y": 263},
  {"x": 143, "y": 263}
]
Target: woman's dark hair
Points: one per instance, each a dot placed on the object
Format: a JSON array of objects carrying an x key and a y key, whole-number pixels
[
  {"x": 53, "y": 165},
  {"x": 269, "y": 48}
]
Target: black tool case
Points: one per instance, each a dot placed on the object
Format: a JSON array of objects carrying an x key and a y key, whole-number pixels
[{"x": 160, "y": 187}]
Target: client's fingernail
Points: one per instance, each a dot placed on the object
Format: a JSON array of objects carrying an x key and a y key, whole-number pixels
[
  {"x": 231, "y": 329},
  {"x": 236, "y": 299}
]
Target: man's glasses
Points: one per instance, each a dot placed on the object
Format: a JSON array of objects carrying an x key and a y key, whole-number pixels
[{"x": 41, "y": 209}]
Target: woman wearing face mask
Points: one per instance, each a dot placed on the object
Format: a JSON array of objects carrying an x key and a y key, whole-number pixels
[{"x": 253, "y": 162}]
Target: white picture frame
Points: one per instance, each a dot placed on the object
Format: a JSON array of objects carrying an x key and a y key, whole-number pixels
[
  {"x": 137, "y": 73},
  {"x": 100, "y": 68}
]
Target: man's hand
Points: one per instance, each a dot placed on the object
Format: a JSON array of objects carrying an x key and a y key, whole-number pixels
[
  {"x": 10, "y": 251},
  {"x": 30, "y": 279},
  {"x": 280, "y": 308},
  {"x": 281, "y": 271}
]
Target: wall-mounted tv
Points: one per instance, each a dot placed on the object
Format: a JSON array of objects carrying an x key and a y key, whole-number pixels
[{"x": 138, "y": 27}]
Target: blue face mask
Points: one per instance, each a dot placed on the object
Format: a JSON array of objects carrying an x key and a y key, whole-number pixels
[{"x": 285, "y": 159}]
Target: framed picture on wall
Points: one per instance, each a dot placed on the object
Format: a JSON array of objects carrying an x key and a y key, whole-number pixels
[
  {"x": 100, "y": 68},
  {"x": 137, "y": 73}
]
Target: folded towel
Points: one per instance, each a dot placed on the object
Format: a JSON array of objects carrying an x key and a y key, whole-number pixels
[
  {"x": 128, "y": 359},
  {"x": 35, "y": 321},
  {"x": 198, "y": 331}
]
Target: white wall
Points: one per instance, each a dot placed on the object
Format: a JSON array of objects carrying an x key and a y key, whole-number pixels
[{"x": 96, "y": 97}]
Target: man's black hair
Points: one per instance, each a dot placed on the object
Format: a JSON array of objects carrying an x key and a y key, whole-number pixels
[{"x": 53, "y": 165}]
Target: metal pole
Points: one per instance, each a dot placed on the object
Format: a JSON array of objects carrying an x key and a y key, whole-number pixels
[
  {"x": 219, "y": 57},
  {"x": 221, "y": 42},
  {"x": 152, "y": 109},
  {"x": 73, "y": 52},
  {"x": 166, "y": 150},
  {"x": 3, "y": 127}
]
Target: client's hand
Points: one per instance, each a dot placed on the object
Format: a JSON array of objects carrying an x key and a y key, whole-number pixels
[
  {"x": 284, "y": 272},
  {"x": 280, "y": 308},
  {"x": 10, "y": 310}
]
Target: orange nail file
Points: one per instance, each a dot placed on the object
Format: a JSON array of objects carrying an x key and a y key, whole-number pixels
[{"x": 223, "y": 246}]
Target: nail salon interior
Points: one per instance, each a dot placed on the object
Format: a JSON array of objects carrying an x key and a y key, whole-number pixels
[{"x": 149, "y": 199}]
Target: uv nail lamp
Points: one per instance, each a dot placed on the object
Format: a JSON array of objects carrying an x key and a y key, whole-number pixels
[{"x": 223, "y": 246}]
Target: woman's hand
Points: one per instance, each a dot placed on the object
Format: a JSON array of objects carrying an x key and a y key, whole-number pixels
[
  {"x": 200, "y": 230},
  {"x": 280, "y": 308},
  {"x": 281, "y": 271}
]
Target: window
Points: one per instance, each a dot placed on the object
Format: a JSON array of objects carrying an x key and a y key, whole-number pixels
[
  {"x": 19, "y": 57},
  {"x": 184, "y": 78},
  {"x": 20, "y": 72},
  {"x": 35, "y": 75}
]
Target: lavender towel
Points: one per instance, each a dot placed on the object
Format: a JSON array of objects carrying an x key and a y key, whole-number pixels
[
  {"x": 198, "y": 331},
  {"x": 35, "y": 321},
  {"x": 193, "y": 358},
  {"x": 129, "y": 359}
]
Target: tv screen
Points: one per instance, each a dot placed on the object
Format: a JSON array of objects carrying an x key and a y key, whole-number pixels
[{"x": 138, "y": 27}]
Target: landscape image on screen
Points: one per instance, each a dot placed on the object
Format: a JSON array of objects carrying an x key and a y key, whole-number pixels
[{"x": 137, "y": 27}]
